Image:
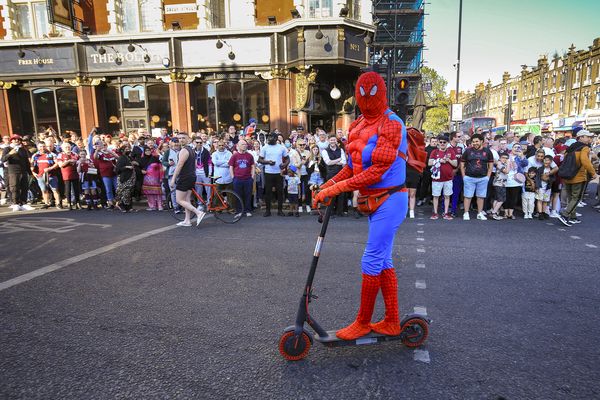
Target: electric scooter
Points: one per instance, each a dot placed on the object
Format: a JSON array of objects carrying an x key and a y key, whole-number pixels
[{"x": 297, "y": 340}]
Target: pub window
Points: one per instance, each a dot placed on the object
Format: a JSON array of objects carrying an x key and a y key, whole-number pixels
[
  {"x": 45, "y": 109},
  {"x": 32, "y": 20},
  {"x": 159, "y": 106},
  {"x": 134, "y": 96},
  {"x": 110, "y": 95},
  {"x": 353, "y": 9},
  {"x": 21, "y": 114},
  {"x": 206, "y": 100},
  {"x": 320, "y": 8},
  {"x": 256, "y": 103},
  {"x": 215, "y": 10},
  {"x": 229, "y": 97},
  {"x": 142, "y": 15},
  {"x": 598, "y": 99},
  {"x": 68, "y": 110}
]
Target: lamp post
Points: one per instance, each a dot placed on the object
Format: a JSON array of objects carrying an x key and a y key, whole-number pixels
[{"x": 458, "y": 55}]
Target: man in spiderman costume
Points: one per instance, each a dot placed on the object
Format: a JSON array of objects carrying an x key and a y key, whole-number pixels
[{"x": 376, "y": 143}]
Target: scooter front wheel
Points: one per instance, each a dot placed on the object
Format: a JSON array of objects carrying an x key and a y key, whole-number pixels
[
  {"x": 415, "y": 332},
  {"x": 294, "y": 348}
]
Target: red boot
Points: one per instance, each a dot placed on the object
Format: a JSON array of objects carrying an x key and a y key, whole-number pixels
[
  {"x": 362, "y": 325},
  {"x": 390, "y": 325}
]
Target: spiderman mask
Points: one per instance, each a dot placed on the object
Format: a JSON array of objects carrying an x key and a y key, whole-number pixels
[{"x": 371, "y": 95}]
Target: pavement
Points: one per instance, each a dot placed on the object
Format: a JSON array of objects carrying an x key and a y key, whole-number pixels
[{"x": 100, "y": 305}]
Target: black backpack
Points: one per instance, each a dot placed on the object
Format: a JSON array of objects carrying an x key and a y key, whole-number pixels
[{"x": 569, "y": 168}]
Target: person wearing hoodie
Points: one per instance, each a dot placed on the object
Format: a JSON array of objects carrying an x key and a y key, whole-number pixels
[{"x": 575, "y": 186}]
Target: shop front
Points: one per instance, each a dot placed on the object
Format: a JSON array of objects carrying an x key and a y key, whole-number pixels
[
  {"x": 297, "y": 73},
  {"x": 592, "y": 121}
]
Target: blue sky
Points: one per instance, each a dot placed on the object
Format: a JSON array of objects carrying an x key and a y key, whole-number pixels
[{"x": 500, "y": 35}]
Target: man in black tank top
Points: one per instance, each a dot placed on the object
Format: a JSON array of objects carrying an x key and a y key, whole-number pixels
[{"x": 184, "y": 180}]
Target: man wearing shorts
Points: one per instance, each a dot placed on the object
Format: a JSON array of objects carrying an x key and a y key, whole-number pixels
[
  {"x": 44, "y": 168},
  {"x": 184, "y": 179},
  {"x": 442, "y": 162},
  {"x": 476, "y": 167}
]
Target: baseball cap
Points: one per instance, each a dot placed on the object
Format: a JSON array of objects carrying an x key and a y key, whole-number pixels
[
  {"x": 15, "y": 137},
  {"x": 584, "y": 132},
  {"x": 293, "y": 168},
  {"x": 443, "y": 137}
]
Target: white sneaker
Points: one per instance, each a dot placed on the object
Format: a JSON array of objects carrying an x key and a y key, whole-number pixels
[
  {"x": 307, "y": 209},
  {"x": 466, "y": 216},
  {"x": 411, "y": 214},
  {"x": 577, "y": 214},
  {"x": 553, "y": 214},
  {"x": 15, "y": 207},
  {"x": 238, "y": 215},
  {"x": 248, "y": 214},
  {"x": 183, "y": 224},
  {"x": 481, "y": 216},
  {"x": 299, "y": 209},
  {"x": 27, "y": 207},
  {"x": 199, "y": 217},
  {"x": 2, "y": 202},
  {"x": 582, "y": 204}
]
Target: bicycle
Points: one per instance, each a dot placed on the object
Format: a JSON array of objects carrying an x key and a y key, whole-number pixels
[{"x": 221, "y": 203}]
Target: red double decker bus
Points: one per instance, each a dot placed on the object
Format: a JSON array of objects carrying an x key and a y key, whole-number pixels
[{"x": 470, "y": 125}]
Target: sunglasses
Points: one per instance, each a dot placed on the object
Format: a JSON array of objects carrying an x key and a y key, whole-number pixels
[
  {"x": 198, "y": 142},
  {"x": 301, "y": 144},
  {"x": 442, "y": 142}
]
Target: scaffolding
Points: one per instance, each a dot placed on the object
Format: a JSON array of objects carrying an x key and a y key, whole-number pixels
[{"x": 396, "y": 51}]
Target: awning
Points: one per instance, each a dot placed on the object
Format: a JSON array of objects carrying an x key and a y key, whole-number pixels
[{"x": 563, "y": 129}]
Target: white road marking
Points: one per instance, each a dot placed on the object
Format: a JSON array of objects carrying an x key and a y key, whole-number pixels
[
  {"x": 39, "y": 246},
  {"x": 420, "y": 250},
  {"x": 422, "y": 356},
  {"x": 562, "y": 229},
  {"x": 575, "y": 237},
  {"x": 44, "y": 224},
  {"x": 420, "y": 284},
  {"x": 420, "y": 310},
  {"x": 549, "y": 223},
  {"x": 61, "y": 264},
  {"x": 421, "y": 239},
  {"x": 420, "y": 218},
  {"x": 420, "y": 265},
  {"x": 421, "y": 232},
  {"x": 591, "y": 246},
  {"x": 420, "y": 224}
]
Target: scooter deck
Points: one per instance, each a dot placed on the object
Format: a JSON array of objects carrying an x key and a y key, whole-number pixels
[{"x": 331, "y": 340}]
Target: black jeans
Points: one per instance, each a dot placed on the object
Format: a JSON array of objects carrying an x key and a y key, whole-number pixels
[
  {"x": 243, "y": 188},
  {"x": 304, "y": 198},
  {"x": 18, "y": 183},
  {"x": 72, "y": 187},
  {"x": 274, "y": 181}
]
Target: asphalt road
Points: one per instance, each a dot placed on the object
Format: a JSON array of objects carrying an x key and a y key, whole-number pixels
[{"x": 197, "y": 313}]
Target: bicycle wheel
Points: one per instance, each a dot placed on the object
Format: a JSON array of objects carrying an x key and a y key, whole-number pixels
[
  {"x": 178, "y": 212},
  {"x": 226, "y": 211}
]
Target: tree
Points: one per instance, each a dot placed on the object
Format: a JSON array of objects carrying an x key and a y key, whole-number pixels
[{"x": 438, "y": 102}]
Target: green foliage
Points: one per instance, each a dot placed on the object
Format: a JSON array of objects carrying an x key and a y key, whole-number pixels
[
  {"x": 436, "y": 120},
  {"x": 438, "y": 102}
]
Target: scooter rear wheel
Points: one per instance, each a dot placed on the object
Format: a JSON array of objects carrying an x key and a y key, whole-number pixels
[
  {"x": 294, "y": 348},
  {"x": 415, "y": 332}
]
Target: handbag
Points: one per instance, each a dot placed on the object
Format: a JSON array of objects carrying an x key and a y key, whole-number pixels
[
  {"x": 519, "y": 177},
  {"x": 369, "y": 203}
]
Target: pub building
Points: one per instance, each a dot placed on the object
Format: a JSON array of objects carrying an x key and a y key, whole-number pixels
[{"x": 301, "y": 72}]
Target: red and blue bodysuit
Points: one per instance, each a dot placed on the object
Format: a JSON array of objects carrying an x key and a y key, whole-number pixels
[{"x": 375, "y": 144}]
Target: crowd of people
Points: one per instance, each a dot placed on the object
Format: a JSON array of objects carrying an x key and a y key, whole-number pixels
[{"x": 495, "y": 175}]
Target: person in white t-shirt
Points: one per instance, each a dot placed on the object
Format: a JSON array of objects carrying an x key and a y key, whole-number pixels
[{"x": 275, "y": 159}]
